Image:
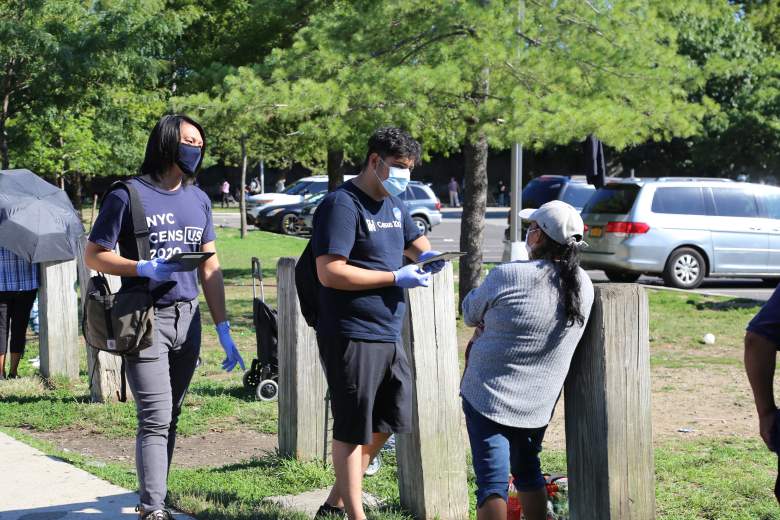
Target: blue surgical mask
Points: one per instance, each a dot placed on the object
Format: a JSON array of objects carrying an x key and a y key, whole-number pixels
[
  {"x": 397, "y": 180},
  {"x": 188, "y": 158}
]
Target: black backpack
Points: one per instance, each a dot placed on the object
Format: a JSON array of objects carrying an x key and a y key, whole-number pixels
[{"x": 307, "y": 283}]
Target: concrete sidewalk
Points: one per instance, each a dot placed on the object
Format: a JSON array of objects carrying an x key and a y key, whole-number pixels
[{"x": 38, "y": 487}]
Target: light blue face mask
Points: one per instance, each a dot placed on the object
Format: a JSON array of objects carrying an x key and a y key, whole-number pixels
[{"x": 397, "y": 180}]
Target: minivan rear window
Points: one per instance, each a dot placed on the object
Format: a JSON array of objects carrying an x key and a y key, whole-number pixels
[
  {"x": 679, "y": 201},
  {"x": 577, "y": 195},
  {"x": 614, "y": 198}
]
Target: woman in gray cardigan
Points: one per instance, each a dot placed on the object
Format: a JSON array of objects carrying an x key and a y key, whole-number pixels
[{"x": 532, "y": 315}]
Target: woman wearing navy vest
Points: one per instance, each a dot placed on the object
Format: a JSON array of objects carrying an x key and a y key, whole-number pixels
[{"x": 179, "y": 218}]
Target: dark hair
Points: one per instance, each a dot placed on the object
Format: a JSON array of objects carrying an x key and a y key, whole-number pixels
[
  {"x": 393, "y": 142},
  {"x": 566, "y": 259},
  {"x": 163, "y": 145}
]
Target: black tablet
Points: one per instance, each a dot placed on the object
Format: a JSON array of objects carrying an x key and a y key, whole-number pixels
[
  {"x": 451, "y": 255},
  {"x": 190, "y": 261}
]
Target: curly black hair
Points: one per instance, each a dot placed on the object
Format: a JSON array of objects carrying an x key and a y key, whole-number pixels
[
  {"x": 393, "y": 142},
  {"x": 566, "y": 259}
]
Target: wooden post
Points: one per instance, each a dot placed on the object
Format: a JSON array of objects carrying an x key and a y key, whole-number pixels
[
  {"x": 302, "y": 385},
  {"x": 58, "y": 311},
  {"x": 609, "y": 440},
  {"x": 432, "y": 459}
]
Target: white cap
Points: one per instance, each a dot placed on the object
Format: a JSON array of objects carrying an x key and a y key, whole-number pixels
[{"x": 559, "y": 221}]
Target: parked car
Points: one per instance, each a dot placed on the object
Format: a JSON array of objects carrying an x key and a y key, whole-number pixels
[
  {"x": 423, "y": 205},
  {"x": 573, "y": 190},
  {"x": 284, "y": 218},
  {"x": 292, "y": 194},
  {"x": 683, "y": 230}
]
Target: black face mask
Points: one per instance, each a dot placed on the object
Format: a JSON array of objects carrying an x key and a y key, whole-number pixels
[{"x": 188, "y": 158}]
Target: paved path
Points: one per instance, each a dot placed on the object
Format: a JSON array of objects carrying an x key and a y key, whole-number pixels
[{"x": 38, "y": 487}]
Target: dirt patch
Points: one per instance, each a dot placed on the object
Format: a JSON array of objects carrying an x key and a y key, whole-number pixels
[
  {"x": 688, "y": 402},
  {"x": 215, "y": 448}
]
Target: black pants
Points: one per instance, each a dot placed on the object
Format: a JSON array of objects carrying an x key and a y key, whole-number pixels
[{"x": 15, "y": 308}]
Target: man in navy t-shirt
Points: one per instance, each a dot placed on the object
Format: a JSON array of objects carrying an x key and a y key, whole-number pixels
[
  {"x": 178, "y": 216},
  {"x": 362, "y": 232},
  {"x": 762, "y": 342}
]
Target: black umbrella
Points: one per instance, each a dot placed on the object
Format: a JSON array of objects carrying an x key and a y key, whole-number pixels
[{"x": 37, "y": 220}]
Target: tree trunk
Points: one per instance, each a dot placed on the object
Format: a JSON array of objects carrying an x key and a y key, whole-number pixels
[
  {"x": 77, "y": 191},
  {"x": 241, "y": 197},
  {"x": 64, "y": 166},
  {"x": 4, "y": 132},
  {"x": 335, "y": 169},
  {"x": 472, "y": 224}
]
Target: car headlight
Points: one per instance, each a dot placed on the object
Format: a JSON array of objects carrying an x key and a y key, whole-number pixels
[{"x": 274, "y": 212}]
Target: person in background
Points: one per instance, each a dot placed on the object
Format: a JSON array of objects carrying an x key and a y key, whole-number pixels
[
  {"x": 453, "y": 189},
  {"x": 762, "y": 340},
  {"x": 531, "y": 315},
  {"x": 254, "y": 185},
  {"x": 502, "y": 194},
  {"x": 279, "y": 186},
  {"x": 224, "y": 189},
  {"x": 179, "y": 217},
  {"x": 362, "y": 233},
  {"x": 18, "y": 288}
]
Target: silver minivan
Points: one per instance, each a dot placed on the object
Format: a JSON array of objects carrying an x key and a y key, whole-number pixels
[{"x": 683, "y": 230}]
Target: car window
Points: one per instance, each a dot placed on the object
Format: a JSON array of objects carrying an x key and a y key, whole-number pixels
[
  {"x": 679, "y": 201},
  {"x": 614, "y": 198},
  {"x": 538, "y": 192},
  {"x": 297, "y": 188},
  {"x": 734, "y": 203},
  {"x": 577, "y": 194},
  {"x": 772, "y": 203},
  {"x": 420, "y": 193}
]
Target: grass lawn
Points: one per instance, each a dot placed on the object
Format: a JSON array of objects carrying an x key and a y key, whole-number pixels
[{"x": 696, "y": 478}]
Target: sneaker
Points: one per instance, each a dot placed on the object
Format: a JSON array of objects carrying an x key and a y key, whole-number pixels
[
  {"x": 374, "y": 466},
  {"x": 328, "y": 511},
  {"x": 157, "y": 514}
]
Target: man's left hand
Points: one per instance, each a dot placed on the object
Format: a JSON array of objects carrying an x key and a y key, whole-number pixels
[
  {"x": 433, "y": 267},
  {"x": 232, "y": 357}
]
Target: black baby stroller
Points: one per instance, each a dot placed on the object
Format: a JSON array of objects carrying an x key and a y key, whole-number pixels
[{"x": 263, "y": 376}]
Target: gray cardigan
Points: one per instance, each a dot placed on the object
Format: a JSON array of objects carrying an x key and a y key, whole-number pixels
[{"x": 517, "y": 367}]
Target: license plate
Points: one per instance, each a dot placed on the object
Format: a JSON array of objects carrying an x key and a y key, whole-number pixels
[{"x": 596, "y": 232}]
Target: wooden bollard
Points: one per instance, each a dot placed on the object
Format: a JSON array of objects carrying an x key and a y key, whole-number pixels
[
  {"x": 432, "y": 459},
  {"x": 609, "y": 440},
  {"x": 58, "y": 315},
  {"x": 302, "y": 385}
]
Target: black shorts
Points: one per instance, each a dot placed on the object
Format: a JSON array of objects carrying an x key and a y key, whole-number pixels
[{"x": 370, "y": 388}]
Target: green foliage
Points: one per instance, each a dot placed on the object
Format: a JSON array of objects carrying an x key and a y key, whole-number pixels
[
  {"x": 740, "y": 132},
  {"x": 83, "y": 81}
]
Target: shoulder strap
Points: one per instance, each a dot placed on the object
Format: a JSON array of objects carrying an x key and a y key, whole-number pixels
[{"x": 138, "y": 217}]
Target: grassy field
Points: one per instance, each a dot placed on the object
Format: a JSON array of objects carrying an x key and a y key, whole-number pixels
[{"x": 715, "y": 477}]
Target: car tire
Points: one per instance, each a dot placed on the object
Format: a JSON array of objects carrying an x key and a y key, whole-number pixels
[
  {"x": 685, "y": 269},
  {"x": 622, "y": 276},
  {"x": 770, "y": 282},
  {"x": 287, "y": 224},
  {"x": 421, "y": 224}
]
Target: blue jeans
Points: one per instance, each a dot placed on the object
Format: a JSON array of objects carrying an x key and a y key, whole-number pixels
[{"x": 497, "y": 449}]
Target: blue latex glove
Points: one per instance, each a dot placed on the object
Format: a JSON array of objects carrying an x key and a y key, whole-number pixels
[
  {"x": 158, "y": 269},
  {"x": 411, "y": 276},
  {"x": 232, "y": 357},
  {"x": 433, "y": 267}
]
